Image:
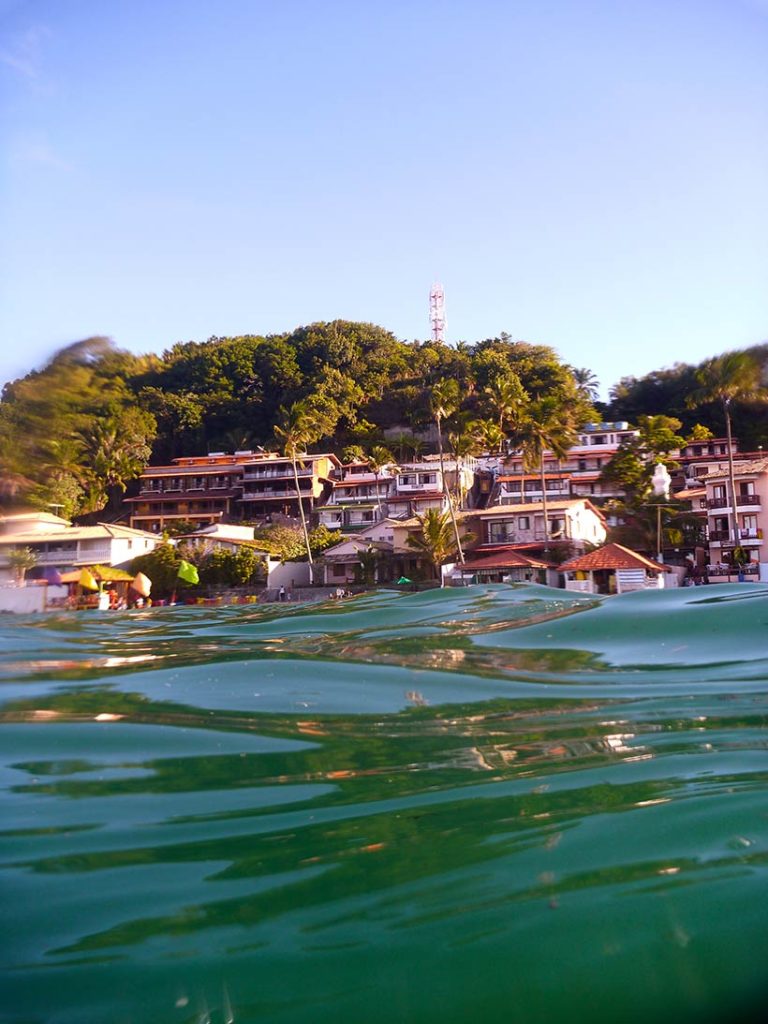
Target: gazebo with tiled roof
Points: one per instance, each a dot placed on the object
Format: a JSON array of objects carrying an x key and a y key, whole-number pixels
[
  {"x": 500, "y": 563},
  {"x": 613, "y": 568}
]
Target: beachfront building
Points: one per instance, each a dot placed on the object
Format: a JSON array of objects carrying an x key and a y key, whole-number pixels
[
  {"x": 269, "y": 485},
  {"x": 200, "y": 489},
  {"x": 56, "y": 544},
  {"x": 574, "y": 523},
  {"x": 614, "y": 569},
  {"x": 751, "y": 479},
  {"x": 503, "y": 565},
  {"x": 369, "y": 551}
]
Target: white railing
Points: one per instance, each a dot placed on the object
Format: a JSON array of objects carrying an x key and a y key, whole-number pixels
[
  {"x": 273, "y": 493},
  {"x": 275, "y": 474}
]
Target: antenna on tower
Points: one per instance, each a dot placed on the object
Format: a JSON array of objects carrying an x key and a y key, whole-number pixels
[{"x": 437, "y": 312}]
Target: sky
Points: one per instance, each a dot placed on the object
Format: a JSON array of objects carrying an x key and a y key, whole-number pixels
[{"x": 586, "y": 174}]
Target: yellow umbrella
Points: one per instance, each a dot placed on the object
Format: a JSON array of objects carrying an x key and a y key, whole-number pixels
[{"x": 87, "y": 580}]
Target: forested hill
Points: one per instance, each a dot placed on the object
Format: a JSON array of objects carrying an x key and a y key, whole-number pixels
[{"x": 77, "y": 432}]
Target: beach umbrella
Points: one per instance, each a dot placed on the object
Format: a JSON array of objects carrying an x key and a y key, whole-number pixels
[
  {"x": 187, "y": 572},
  {"x": 404, "y": 579},
  {"x": 142, "y": 584},
  {"x": 87, "y": 580},
  {"x": 53, "y": 576}
]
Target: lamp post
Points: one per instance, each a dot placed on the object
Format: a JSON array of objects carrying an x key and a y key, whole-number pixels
[{"x": 660, "y": 482}]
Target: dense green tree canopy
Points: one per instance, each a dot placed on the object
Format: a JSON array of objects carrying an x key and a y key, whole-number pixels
[{"x": 76, "y": 433}]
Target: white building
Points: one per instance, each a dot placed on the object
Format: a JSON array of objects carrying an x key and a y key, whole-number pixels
[{"x": 58, "y": 545}]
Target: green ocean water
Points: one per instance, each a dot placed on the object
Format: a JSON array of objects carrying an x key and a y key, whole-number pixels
[{"x": 490, "y": 804}]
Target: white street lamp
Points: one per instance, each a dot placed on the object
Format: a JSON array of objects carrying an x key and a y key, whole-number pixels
[{"x": 660, "y": 482}]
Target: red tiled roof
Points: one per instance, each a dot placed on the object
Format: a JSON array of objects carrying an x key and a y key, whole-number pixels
[
  {"x": 502, "y": 558},
  {"x": 612, "y": 556}
]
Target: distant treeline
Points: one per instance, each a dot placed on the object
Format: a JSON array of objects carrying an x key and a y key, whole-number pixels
[{"x": 74, "y": 434}]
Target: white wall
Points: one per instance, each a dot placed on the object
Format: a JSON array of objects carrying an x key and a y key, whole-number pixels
[{"x": 22, "y": 600}]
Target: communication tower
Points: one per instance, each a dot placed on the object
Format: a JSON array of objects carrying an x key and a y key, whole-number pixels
[{"x": 437, "y": 312}]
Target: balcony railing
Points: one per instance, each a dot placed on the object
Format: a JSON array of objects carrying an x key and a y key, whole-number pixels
[
  {"x": 275, "y": 474},
  {"x": 742, "y": 501},
  {"x": 273, "y": 492}
]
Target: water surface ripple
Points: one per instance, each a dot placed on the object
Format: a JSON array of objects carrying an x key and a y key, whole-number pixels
[{"x": 492, "y": 804}]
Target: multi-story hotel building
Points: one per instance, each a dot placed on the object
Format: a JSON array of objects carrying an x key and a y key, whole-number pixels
[{"x": 200, "y": 489}]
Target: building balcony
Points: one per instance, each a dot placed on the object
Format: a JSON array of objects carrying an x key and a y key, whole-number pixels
[
  {"x": 504, "y": 537},
  {"x": 252, "y": 474},
  {"x": 361, "y": 496},
  {"x": 742, "y": 501},
  {"x": 274, "y": 493},
  {"x": 419, "y": 488}
]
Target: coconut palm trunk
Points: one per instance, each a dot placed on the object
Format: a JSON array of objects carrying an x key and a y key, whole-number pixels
[
  {"x": 303, "y": 518},
  {"x": 544, "y": 501},
  {"x": 447, "y": 493},
  {"x": 731, "y": 475},
  {"x": 444, "y": 401}
]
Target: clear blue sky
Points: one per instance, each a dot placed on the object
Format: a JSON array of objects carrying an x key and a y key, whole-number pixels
[{"x": 587, "y": 174}]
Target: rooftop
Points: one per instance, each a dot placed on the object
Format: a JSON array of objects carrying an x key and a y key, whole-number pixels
[{"x": 612, "y": 556}]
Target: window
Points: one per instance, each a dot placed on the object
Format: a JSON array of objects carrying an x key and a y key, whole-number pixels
[
  {"x": 749, "y": 526},
  {"x": 499, "y": 533},
  {"x": 339, "y": 569},
  {"x": 524, "y": 522}
]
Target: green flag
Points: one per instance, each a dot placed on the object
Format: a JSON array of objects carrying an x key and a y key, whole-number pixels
[{"x": 187, "y": 572}]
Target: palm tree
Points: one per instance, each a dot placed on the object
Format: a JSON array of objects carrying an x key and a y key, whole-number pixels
[
  {"x": 444, "y": 402},
  {"x": 546, "y": 426},
  {"x": 587, "y": 383},
  {"x": 379, "y": 457},
  {"x": 506, "y": 397},
  {"x": 299, "y": 429},
  {"x": 21, "y": 560},
  {"x": 406, "y": 442},
  {"x": 490, "y": 435},
  {"x": 466, "y": 440},
  {"x": 437, "y": 539},
  {"x": 733, "y": 376}
]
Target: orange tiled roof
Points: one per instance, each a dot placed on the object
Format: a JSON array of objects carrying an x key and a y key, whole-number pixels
[
  {"x": 503, "y": 558},
  {"x": 612, "y": 556}
]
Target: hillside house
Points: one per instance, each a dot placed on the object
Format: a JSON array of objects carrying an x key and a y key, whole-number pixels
[
  {"x": 751, "y": 479},
  {"x": 200, "y": 489},
  {"x": 269, "y": 485}
]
